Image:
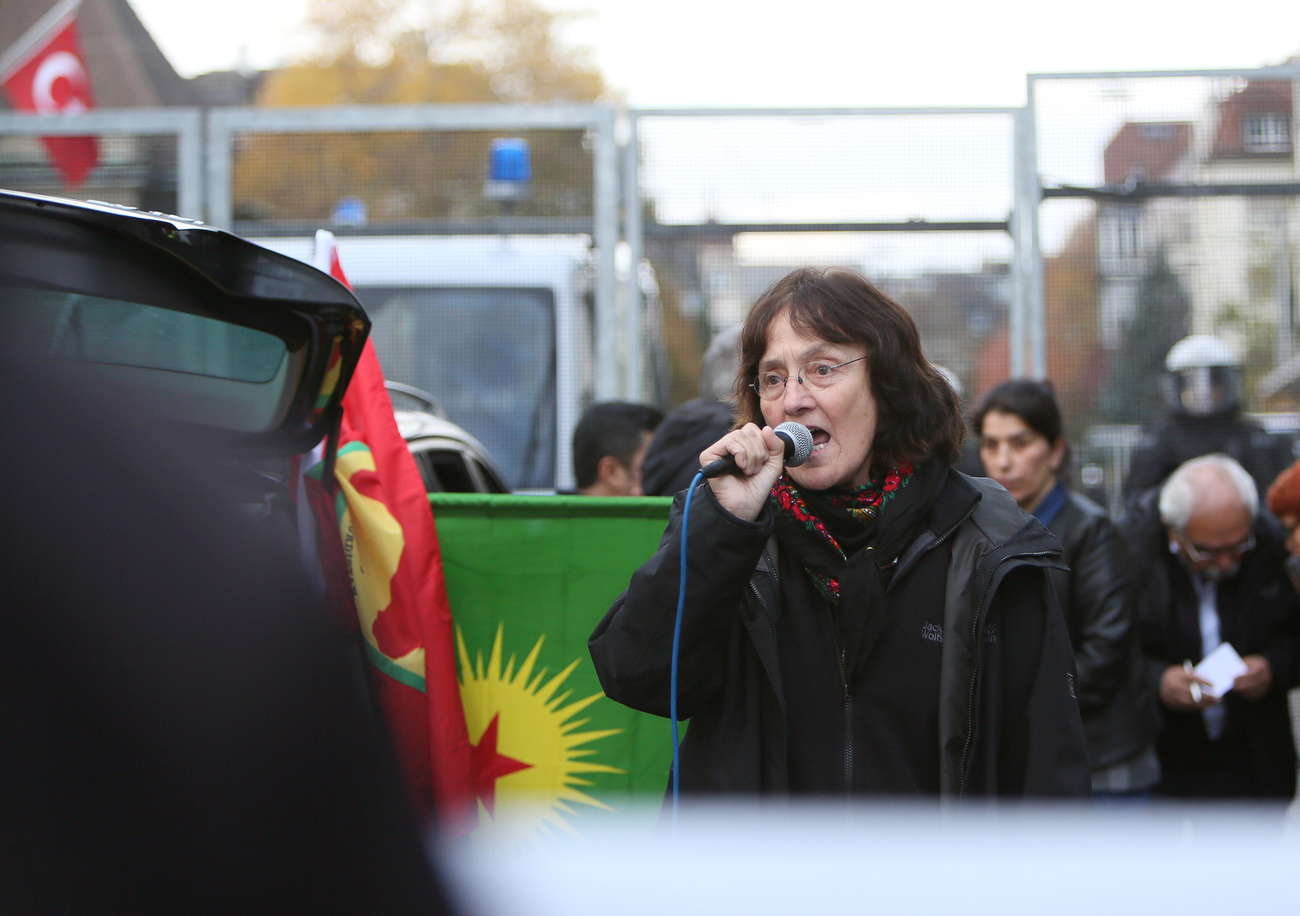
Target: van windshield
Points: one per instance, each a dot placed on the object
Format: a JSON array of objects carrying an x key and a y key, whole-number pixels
[{"x": 487, "y": 355}]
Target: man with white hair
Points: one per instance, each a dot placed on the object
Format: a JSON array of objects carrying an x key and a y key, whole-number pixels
[{"x": 1213, "y": 578}]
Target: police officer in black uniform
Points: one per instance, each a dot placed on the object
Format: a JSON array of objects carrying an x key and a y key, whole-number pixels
[{"x": 1203, "y": 394}]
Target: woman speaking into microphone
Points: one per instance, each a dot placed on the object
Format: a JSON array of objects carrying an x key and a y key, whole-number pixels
[{"x": 870, "y": 622}]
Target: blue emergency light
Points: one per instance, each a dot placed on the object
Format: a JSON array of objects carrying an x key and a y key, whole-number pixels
[
  {"x": 510, "y": 170},
  {"x": 350, "y": 211}
]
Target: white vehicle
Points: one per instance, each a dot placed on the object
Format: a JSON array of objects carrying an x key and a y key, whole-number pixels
[
  {"x": 497, "y": 328},
  {"x": 450, "y": 460}
]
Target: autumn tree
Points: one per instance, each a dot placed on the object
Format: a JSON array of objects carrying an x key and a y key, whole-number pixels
[
  {"x": 372, "y": 52},
  {"x": 1132, "y": 390},
  {"x": 1071, "y": 302},
  {"x": 1073, "y": 350}
]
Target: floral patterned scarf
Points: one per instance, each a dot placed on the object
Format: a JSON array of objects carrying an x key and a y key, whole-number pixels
[{"x": 841, "y": 521}]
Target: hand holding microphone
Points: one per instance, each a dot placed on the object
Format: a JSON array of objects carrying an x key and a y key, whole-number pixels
[
  {"x": 748, "y": 462},
  {"x": 798, "y": 447}
]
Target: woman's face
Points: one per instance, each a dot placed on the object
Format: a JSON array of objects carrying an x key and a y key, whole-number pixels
[
  {"x": 841, "y": 417},
  {"x": 1019, "y": 458},
  {"x": 1291, "y": 522}
]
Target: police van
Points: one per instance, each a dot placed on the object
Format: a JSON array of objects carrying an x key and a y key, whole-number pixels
[{"x": 499, "y": 329}]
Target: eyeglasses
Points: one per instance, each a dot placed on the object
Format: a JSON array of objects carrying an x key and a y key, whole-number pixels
[
  {"x": 1206, "y": 554},
  {"x": 815, "y": 376}
]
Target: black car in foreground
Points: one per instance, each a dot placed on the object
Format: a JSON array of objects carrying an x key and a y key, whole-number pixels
[
  {"x": 186, "y": 722},
  {"x": 225, "y": 339}
]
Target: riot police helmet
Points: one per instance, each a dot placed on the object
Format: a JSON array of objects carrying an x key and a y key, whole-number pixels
[{"x": 1202, "y": 377}]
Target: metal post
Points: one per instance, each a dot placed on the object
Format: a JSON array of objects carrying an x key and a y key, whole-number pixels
[
  {"x": 1027, "y": 318},
  {"x": 220, "y": 148},
  {"x": 610, "y": 337},
  {"x": 633, "y": 235},
  {"x": 1282, "y": 350},
  {"x": 190, "y": 182}
]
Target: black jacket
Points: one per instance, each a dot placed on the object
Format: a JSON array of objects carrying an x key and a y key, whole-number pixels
[
  {"x": 1257, "y": 615},
  {"x": 1098, "y": 595},
  {"x": 1182, "y": 437},
  {"x": 673, "y": 456},
  {"x": 1005, "y": 720}
]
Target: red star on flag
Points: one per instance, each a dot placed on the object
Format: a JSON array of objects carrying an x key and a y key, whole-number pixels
[{"x": 489, "y": 766}]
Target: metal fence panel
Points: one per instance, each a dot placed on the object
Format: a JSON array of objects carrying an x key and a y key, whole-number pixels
[
  {"x": 1168, "y": 209},
  {"x": 917, "y": 199},
  {"x": 149, "y": 157}
]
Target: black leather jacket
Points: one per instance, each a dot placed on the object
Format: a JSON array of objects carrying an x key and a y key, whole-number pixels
[
  {"x": 1098, "y": 595},
  {"x": 1259, "y": 614},
  {"x": 989, "y": 741}
]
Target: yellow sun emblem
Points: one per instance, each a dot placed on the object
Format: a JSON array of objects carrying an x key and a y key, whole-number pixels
[{"x": 527, "y": 745}]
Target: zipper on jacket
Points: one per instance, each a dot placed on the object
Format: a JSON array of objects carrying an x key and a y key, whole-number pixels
[
  {"x": 974, "y": 678},
  {"x": 848, "y": 705},
  {"x": 839, "y": 654},
  {"x": 848, "y": 736},
  {"x": 899, "y": 573},
  {"x": 776, "y": 578}
]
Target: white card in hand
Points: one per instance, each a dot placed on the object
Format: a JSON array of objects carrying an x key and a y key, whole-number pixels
[{"x": 1221, "y": 667}]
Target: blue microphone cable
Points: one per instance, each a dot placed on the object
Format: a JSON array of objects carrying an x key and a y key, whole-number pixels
[
  {"x": 799, "y": 445},
  {"x": 677, "y": 644}
]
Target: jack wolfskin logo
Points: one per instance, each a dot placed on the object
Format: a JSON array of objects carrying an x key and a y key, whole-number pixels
[
  {"x": 991, "y": 633},
  {"x": 932, "y": 632}
]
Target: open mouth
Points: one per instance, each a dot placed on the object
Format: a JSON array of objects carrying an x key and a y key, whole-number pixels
[{"x": 820, "y": 437}]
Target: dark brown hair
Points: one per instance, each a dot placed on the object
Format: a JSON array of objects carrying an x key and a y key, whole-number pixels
[
  {"x": 917, "y": 412},
  {"x": 1030, "y": 400},
  {"x": 1035, "y": 403}
]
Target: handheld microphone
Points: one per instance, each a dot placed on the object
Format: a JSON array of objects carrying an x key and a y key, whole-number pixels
[{"x": 798, "y": 447}]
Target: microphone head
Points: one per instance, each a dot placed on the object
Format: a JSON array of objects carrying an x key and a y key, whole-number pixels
[{"x": 798, "y": 442}]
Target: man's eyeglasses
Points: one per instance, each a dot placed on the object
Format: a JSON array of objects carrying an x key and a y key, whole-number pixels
[
  {"x": 815, "y": 376},
  {"x": 1206, "y": 554}
]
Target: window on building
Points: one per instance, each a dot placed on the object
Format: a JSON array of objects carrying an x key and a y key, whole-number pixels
[
  {"x": 1121, "y": 239},
  {"x": 1266, "y": 133}
]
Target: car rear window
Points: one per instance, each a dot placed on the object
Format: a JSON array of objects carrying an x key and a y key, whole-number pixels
[{"x": 220, "y": 373}]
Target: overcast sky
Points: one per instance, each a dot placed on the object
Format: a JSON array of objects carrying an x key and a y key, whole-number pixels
[{"x": 817, "y": 52}]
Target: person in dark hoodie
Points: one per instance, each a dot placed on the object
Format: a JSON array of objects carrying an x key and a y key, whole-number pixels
[
  {"x": 870, "y": 622},
  {"x": 673, "y": 455}
]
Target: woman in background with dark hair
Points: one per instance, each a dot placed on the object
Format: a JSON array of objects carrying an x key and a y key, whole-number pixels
[
  {"x": 1022, "y": 445},
  {"x": 869, "y": 622}
]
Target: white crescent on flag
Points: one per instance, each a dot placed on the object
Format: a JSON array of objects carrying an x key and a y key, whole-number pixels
[{"x": 59, "y": 65}]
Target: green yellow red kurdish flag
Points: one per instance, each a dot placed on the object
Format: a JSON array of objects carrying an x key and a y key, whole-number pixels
[
  {"x": 392, "y": 553},
  {"x": 528, "y": 578}
]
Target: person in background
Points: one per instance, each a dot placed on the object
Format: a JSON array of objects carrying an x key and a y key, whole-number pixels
[
  {"x": 969, "y": 461},
  {"x": 834, "y": 640},
  {"x": 609, "y": 445},
  {"x": 672, "y": 459},
  {"x": 1213, "y": 575},
  {"x": 1283, "y": 501},
  {"x": 1202, "y": 393},
  {"x": 1022, "y": 445}
]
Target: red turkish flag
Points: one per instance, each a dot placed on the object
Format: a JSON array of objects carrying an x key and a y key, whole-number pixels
[{"x": 48, "y": 76}]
